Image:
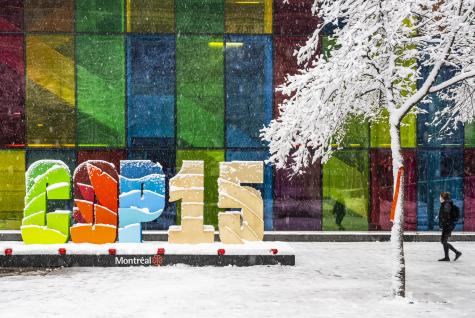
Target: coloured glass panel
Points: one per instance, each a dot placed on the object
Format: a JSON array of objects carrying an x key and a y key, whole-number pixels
[
  {"x": 298, "y": 200},
  {"x": 200, "y": 16},
  {"x": 346, "y": 191},
  {"x": 470, "y": 135},
  {"x": 145, "y": 16},
  {"x": 431, "y": 135},
  {"x": 12, "y": 70},
  {"x": 200, "y": 91},
  {"x": 50, "y": 91},
  {"x": 248, "y": 89},
  {"x": 100, "y": 91},
  {"x": 248, "y": 16},
  {"x": 382, "y": 189},
  {"x": 111, "y": 156},
  {"x": 211, "y": 159},
  {"x": 469, "y": 190},
  {"x": 266, "y": 187},
  {"x": 66, "y": 156},
  {"x": 151, "y": 91},
  {"x": 284, "y": 63},
  {"x": 380, "y": 132},
  {"x": 49, "y": 15},
  {"x": 12, "y": 189},
  {"x": 11, "y": 15},
  {"x": 167, "y": 159},
  {"x": 100, "y": 16},
  {"x": 294, "y": 18},
  {"x": 438, "y": 171}
]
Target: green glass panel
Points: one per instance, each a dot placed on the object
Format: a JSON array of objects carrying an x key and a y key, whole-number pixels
[
  {"x": 200, "y": 91},
  {"x": 470, "y": 135},
  {"x": 147, "y": 16},
  {"x": 357, "y": 134},
  {"x": 100, "y": 16},
  {"x": 50, "y": 91},
  {"x": 345, "y": 191},
  {"x": 211, "y": 159},
  {"x": 200, "y": 16},
  {"x": 12, "y": 188},
  {"x": 248, "y": 16},
  {"x": 380, "y": 132},
  {"x": 100, "y": 91}
]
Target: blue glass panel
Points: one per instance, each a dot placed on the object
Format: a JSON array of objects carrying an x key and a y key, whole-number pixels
[
  {"x": 248, "y": 89},
  {"x": 430, "y": 135},
  {"x": 167, "y": 159},
  {"x": 438, "y": 171},
  {"x": 266, "y": 187},
  {"x": 151, "y": 90}
]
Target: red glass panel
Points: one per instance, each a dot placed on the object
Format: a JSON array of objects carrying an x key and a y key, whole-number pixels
[
  {"x": 12, "y": 70},
  {"x": 469, "y": 190},
  {"x": 112, "y": 156},
  {"x": 11, "y": 15},
  {"x": 294, "y": 18},
  {"x": 382, "y": 189}
]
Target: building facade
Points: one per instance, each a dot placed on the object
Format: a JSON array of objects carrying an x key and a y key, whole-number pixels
[{"x": 195, "y": 80}]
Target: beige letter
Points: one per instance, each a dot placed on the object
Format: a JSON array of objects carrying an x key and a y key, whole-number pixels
[
  {"x": 188, "y": 185},
  {"x": 233, "y": 195}
]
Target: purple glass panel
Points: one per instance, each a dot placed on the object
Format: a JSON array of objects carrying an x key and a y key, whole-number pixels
[
  {"x": 11, "y": 15},
  {"x": 298, "y": 200},
  {"x": 294, "y": 18},
  {"x": 12, "y": 70},
  {"x": 469, "y": 190},
  {"x": 382, "y": 189}
]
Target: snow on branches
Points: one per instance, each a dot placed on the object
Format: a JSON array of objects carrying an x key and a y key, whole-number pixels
[{"x": 381, "y": 49}]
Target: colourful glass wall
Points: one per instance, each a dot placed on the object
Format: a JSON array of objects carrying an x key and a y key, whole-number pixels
[{"x": 181, "y": 80}]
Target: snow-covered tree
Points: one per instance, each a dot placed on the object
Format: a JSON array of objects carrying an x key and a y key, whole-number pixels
[{"x": 382, "y": 48}]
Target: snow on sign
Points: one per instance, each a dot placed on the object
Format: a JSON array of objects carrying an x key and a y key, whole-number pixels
[{"x": 109, "y": 207}]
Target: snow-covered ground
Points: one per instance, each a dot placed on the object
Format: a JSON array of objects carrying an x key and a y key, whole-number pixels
[{"x": 329, "y": 280}]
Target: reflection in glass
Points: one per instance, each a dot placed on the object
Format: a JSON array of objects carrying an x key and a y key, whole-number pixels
[
  {"x": 345, "y": 182},
  {"x": 50, "y": 91},
  {"x": 253, "y": 17},
  {"x": 200, "y": 91},
  {"x": 12, "y": 190},
  {"x": 12, "y": 70},
  {"x": 100, "y": 16},
  {"x": 145, "y": 16},
  {"x": 248, "y": 89},
  {"x": 200, "y": 16},
  {"x": 382, "y": 189},
  {"x": 151, "y": 90},
  {"x": 100, "y": 91},
  {"x": 438, "y": 171},
  {"x": 49, "y": 15},
  {"x": 469, "y": 190}
]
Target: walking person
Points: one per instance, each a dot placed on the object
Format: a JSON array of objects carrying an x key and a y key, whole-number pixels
[{"x": 448, "y": 215}]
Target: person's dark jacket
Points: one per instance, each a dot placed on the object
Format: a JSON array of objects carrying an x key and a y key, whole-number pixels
[{"x": 445, "y": 215}]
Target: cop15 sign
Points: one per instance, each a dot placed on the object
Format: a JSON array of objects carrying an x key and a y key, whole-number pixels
[{"x": 109, "y": 207}]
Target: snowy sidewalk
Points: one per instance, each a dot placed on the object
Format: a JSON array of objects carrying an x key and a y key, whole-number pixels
[{"x": 329, "y": 280}]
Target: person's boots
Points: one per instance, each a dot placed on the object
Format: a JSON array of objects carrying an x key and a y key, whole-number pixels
[
  {"x": 446, "y": 252},
  {"x": 457, "y": 255}
]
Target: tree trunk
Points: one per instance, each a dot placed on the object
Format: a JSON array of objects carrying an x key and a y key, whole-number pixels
[{"x": 397, "y": 230}]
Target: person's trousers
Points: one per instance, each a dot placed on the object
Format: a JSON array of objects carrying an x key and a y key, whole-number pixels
[{"x": 446, "y": 233}]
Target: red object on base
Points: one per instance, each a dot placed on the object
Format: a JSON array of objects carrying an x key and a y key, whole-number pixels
[
  {"x": 160, "y": 251},
  {"x": 274, "y": 251},
  {"x": 8, "y": 252},
  {"x": 62, "y": 251},
  {"x": 112, "y": 251},
  {"x": 221, "y": 251}
]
